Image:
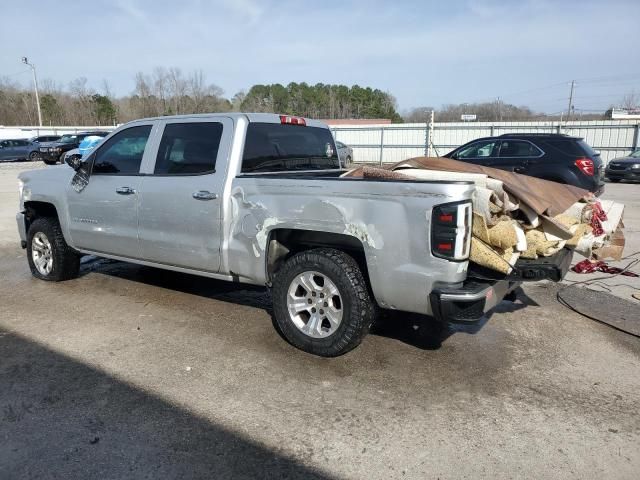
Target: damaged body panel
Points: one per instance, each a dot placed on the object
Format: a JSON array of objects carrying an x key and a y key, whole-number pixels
[{"x": 390, "y": 222}]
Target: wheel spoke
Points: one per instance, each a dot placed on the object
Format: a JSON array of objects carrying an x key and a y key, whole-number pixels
[
  {"x": 312, "y": 326},
  {"x": 334, "y": 316},
  {"x": 299, "y": 304},
  {"x": 332, "y": 290},
  {"x": 308, "y": 283},
  {"x": 39, "y": 261}
]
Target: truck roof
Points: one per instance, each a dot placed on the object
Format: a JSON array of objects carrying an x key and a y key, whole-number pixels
[{"x": 252, "y": 117}]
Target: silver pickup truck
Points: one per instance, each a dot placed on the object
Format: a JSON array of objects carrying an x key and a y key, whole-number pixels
[{"x": 259, "y": 199}]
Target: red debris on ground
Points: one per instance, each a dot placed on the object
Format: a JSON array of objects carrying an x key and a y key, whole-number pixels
[{"x": 587, "y": 266}]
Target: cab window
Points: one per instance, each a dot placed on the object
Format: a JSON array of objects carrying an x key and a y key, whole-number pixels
[
  {"x": 188, "y": 148},
  {"x": 122, "y": 153}
]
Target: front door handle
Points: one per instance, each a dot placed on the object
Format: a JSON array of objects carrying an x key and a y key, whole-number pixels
[
  {"x": 125, "y": 191},
  {"x": 204, "y": 195}
]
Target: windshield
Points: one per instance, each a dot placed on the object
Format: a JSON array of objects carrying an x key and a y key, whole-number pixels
[
  {"x": 635, "y": 154},
  {"x": 67, "y": 139},
  {"x": 273, "y": 147}
]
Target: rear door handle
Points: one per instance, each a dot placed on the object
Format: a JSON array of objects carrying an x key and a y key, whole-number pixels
[
  {"x": 204, "y": 195},
  {"x": 125, "y": 191}
]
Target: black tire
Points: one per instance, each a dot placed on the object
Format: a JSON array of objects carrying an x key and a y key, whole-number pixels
[
  {"x": 348, "y": 164},
  {"x": 65, "y": 263},
  {"x": 358, "y": 310},
  {"x": 50, "y": 162},
  {"x": 34, "y": 156},
  {"x": 614, "y": 180}
]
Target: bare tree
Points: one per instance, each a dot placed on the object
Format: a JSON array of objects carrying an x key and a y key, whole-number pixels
[{"x": 631, "y": 100}]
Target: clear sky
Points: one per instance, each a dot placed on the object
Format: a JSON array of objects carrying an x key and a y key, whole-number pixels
[{"x": 423, "y": 52}]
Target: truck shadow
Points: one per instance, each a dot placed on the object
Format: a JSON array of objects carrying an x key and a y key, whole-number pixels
[
  {"x": 61, "y": 418},
  {"x": 416, "y": 330}
]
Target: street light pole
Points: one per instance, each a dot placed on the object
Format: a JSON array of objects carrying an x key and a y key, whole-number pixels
[{"x": 35, "y": 85}]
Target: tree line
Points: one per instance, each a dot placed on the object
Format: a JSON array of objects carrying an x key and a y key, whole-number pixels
[{"x": 168, "y": 91}]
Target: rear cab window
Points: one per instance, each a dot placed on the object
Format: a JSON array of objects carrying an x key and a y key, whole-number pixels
[
  {"x": 274, "y": 147},
  {"x": 188, "y": 148}
]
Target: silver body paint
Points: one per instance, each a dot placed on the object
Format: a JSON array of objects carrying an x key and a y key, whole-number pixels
[{"x": 228, "y": 238}]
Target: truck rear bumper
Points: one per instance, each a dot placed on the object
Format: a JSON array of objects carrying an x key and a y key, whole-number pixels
[{"x": 468, "y": 303}]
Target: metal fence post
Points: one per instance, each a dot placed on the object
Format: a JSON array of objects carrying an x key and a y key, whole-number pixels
[
  {"x": 427, "y": 127},
  {"x": 636, "y": 134},
  {"x": 493, "y": 128},
  {"x": 381, "y": 143}
]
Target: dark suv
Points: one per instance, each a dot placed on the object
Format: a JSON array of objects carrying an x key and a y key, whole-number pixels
[
  {"x": 52, "y": 152},
  {"x": 555, "y": 157}
]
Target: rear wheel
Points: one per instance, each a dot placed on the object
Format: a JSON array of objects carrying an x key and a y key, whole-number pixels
[
  {"x": 50, "y": 162},
  {"x": 49, "y": 256},
  {"x": 34, "y": 156},
  {"x": 614, "y": 180},
  {"x": 321, "y": 302}
]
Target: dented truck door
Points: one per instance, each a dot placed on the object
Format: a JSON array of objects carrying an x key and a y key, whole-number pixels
[{"x": 181, "y": 194}]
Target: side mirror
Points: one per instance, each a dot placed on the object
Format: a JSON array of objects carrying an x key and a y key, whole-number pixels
[{"x": 74, "y": 161}]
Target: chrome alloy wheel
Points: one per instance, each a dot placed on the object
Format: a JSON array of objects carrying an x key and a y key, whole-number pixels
[
  {"x": 42, "y": 253},
  {"x": 314, "y": 304}
]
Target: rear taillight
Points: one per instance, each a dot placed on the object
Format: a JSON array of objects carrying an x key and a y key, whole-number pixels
[
  {"x": 451, "y": 231},
  {"x": 586, "y": 166},
  {"x": 289, "y": 120}
]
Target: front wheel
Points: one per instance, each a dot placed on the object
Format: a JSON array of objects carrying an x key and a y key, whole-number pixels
[
  {"x": 49, "y": 256},
  {"x": 34, "y": 156},
  {"x": 321, "y": 302},
  {"x": 614, "y": 180}
]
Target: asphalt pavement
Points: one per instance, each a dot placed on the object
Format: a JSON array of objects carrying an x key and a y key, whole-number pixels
[{"x": 134, "y": 372}]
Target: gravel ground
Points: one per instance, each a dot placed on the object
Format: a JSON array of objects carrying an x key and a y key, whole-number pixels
[{"x": 133, "y": 372}]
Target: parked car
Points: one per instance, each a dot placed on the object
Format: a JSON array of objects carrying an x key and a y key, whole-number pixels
[
  {"x": 45, "y": 138},
  {"x": 260, "y": 199},
  {"x": 555, "y": 157},
  {"x": 345, "y": 153},
  {"x": 86, "y": 146},
  {"x": 18, "y": 149},
  {"x": 51, "y": 152},
  {"x": 624, "y": 168}
]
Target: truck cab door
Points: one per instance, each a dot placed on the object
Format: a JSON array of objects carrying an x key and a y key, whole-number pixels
[
  {"x": 180, "y": 210},
  {"x": 103, "y": 216}
]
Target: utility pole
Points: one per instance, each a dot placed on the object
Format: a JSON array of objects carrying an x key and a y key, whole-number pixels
[
  {"x": 35, "y": 85},
  {"x": 573, "y": 83}
]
